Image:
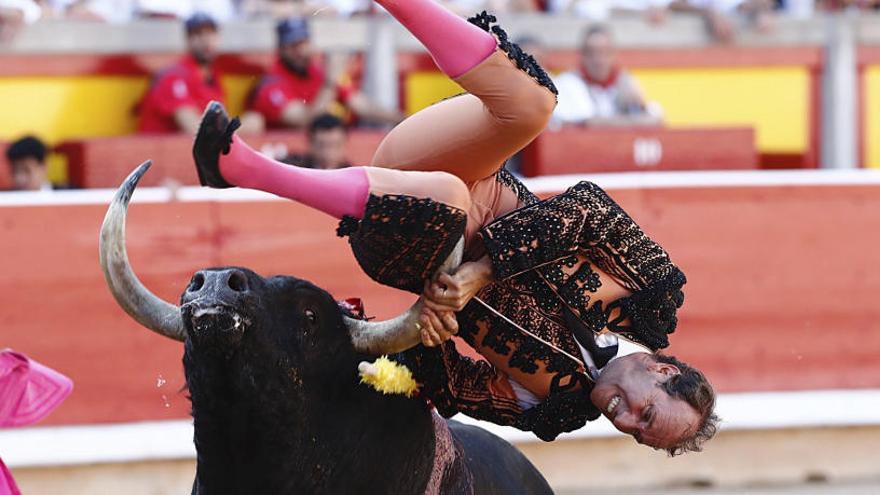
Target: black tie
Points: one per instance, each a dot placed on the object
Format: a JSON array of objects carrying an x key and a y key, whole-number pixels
[{"x": 586, "y": 338}]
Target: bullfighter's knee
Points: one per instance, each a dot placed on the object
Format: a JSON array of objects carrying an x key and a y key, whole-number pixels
[{"x": 534, "y": 108}]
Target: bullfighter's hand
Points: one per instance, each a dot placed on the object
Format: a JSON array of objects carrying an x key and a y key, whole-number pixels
[
  {"x": 436, "y": 326},
  {"x": 452, "y": 292}
]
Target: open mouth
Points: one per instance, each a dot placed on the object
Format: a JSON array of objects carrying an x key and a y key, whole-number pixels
[
  {"x": 214, "y": 319},
  {"x": 612, "y": 405}
]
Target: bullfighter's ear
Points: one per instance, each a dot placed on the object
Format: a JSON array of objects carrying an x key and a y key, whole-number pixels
[{"x": 388, "y": 377}]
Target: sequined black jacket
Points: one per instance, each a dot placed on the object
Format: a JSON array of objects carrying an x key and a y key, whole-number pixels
[
  {"x": 543, "y": 255},
  {"x": 540, "y": 244}
]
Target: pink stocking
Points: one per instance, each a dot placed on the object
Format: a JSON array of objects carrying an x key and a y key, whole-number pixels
[
  {"x": 455, "y": 44},
  {"x": 335, "y": 192}
]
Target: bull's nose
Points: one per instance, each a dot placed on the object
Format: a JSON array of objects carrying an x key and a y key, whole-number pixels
[
  {"x": 237, "y": 281},
  {"x": 229, "y": 281}
]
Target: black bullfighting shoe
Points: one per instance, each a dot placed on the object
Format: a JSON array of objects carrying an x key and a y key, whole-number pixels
[{"x": 214, "y": 137}]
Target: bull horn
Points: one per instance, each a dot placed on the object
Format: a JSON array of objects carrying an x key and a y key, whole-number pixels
[
  {"x": 141, "y": 304},
  {"x": 400, "y": 333}
]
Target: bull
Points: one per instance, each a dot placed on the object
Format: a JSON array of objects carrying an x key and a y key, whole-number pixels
[{"x": 277, "y": 406}]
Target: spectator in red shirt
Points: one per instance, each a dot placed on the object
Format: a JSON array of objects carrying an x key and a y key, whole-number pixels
[
  {"x": 175, "y": 99},
  {"x": 300, "y": 87}
]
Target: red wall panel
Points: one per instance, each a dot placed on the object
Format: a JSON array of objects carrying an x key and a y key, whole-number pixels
[{"x": 781, "y": 293}]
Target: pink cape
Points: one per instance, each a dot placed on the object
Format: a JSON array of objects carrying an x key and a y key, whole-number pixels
[{"x": 29, "y": 391}]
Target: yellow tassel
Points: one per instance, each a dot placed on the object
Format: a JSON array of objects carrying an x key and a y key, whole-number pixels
[{"x": 388, "y": 377}]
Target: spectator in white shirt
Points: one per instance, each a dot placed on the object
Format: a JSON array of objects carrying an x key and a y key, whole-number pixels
[
  {"x": 14, "y": 14},
  {"x": 600, "y": 92},
  {"x": 721, "y": 15},
  {"x": 220, "y": 10},
  {"x": 468, "y": 8},
  {"x": 601, "y": 10},
  {"x": 284, "y": 9}
]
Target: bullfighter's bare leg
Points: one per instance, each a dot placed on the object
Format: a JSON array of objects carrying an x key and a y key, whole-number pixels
[{"x": 472, "y": 135}]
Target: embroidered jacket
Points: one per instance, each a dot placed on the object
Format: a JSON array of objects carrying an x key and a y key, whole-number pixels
[{"x": 543, "y": 255}]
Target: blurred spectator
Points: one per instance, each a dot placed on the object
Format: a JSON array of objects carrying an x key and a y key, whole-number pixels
[
  {"x": 178, "y": 94},
  {"x": 27, "y": 162},
  {"x": 299, "y": 87},
  {"x": 120, "y": 11},
  {"x": 327, "y": 139},
  {"x": 14, "y": 14},
  {"x": 115, "y": 11},
  {"x": 600, "y": 92},
  {"x": 721, "y": 15},
  {"x": 533, "y": 47},
  {"x": 601, "y": 10},
  {"x": 283, "y": 9},
  {"x": 219, "y": 10},
  {"x": 471, "y": 7},
  {"x": 345, "y": 8}
]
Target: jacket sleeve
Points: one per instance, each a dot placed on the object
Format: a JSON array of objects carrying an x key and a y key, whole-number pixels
[
  {"x": 458, "y": 384},
  {"x": 584, "y": 218}
]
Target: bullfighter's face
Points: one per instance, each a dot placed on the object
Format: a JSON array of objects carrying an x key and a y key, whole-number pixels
[
  {"x": 629, "y": 393},
  {"x": 233, "y": 310}
]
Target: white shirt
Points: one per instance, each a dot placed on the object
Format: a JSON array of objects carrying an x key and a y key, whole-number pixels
[
  {"x": 29, "y": 9},
  {"x": 580, "y": 101},
  {"x": 347, "y": 8},
  {"x": 625, "y": 347},
  {"x": 115, "y": 11},
  {"x": 574, "y": 101},
  {"x": 221, "y": 10},
  {"x": 600, "y": 10}
]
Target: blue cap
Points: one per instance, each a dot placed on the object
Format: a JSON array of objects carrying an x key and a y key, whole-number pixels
[
  {"x": 292, "y": 30},
  {"x": 198, "y": 21}
]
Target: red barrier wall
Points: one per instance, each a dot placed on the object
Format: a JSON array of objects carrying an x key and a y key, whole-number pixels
[
  {"x": 585, "y": 150},
  {"x": 781, "y": 293},
  {"x": 105, "y": 162}
]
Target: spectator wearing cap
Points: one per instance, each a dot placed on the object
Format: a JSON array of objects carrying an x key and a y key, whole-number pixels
[
  {"x": 301, "y": 86},
  {"x": 178, "y": 94},
  {"x": 600, "y": 92},
  {"x": 327, "y": 140},
  {"x": 27, "y": 161}
]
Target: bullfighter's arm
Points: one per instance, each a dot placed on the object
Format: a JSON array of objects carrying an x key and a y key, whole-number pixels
[
  {"x": 583, "y": 218},
  {"x": 455, "y": 383}
]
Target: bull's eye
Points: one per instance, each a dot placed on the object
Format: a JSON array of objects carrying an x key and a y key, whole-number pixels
[{"x": 311, "y": 316}]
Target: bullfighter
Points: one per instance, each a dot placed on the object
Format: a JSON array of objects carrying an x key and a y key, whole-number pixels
[{"x": 567, "y": 299}]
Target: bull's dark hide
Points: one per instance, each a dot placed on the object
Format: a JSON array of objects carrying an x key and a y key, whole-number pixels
[{"x": 278, "y": 408}]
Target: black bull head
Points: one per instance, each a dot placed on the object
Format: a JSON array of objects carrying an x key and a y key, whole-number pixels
[
  {"x": 372, "y": 338},
  {"x": 271, "y": 364}
]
